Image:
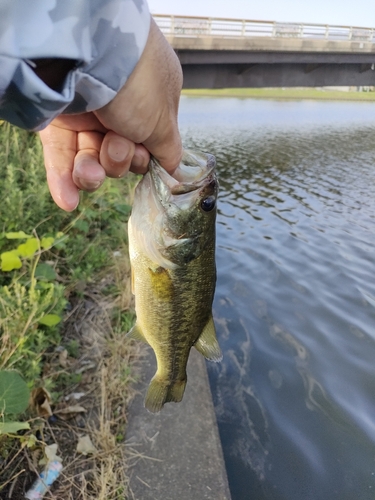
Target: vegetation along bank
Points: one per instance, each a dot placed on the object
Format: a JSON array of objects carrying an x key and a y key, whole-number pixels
[{"x": 65, "y": 305}]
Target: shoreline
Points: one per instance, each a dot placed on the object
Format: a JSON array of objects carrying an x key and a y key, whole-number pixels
[
  {"x": 283, "y": 94},
  {"x": 181, "y": 446}
]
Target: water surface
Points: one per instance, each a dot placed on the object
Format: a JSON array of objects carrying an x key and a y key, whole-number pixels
[{"x": 295, "y": 302}]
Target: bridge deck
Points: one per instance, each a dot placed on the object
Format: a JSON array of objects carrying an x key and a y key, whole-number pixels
[{"x": 218, "y": 53}]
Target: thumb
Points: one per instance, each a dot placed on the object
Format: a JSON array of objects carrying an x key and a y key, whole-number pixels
[{"x": 166, "y": 149}]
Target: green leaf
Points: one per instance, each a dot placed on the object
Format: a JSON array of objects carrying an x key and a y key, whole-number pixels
[
  {"x": 82, "y": 225},
  {"x": 50, "y": 320},
  {"x": 45, "y": 272},
  {"x": 29, "y": 248},
  {"x": 90, "y": 214},
  {"x": 19, "y": 235},
  {"x": 47, "y": 241},
  {"x": 123, "y": 208},
  {"x": 10, "y": 261},
  {"x": 13, "y": 427},
  {"x": 14, "y": 393},
  {"x": 31, "y": 440},
  {"x": 43, "y": 285}
]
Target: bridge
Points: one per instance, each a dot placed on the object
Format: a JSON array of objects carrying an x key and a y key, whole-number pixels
[{"x": 224, "y": 53}]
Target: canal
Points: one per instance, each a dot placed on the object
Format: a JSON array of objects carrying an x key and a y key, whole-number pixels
[{"x": 295, "y": 300}]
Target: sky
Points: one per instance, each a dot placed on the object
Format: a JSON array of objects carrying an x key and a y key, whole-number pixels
[{"x": 334, "y": 12}]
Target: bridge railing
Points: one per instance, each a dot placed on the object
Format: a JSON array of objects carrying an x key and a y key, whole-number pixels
[{"x": 220, "y": 27}]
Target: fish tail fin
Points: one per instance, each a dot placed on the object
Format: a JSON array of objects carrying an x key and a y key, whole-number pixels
[
  {"x": 160, "y": 392},
  {"x": 207, "y": 343}
]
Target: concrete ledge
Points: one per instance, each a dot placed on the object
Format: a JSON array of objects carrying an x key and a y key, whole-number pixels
[
  {"x": 264, "y": 43},
  {"x": 185, "y": 459}
]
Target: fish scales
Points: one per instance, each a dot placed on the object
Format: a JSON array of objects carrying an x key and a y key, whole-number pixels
[
  {"x": 173, "y": 273},
  {"x": 177, "y": 297}
]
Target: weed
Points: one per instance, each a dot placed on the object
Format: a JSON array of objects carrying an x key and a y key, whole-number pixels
[
  {"x": 39, "y": 274},
  {"x": 73, "y": 348},
  {"x": 52, "y": 264}
]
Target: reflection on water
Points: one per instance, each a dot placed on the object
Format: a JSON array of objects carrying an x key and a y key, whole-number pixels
[{"x": 295, "y": 301}]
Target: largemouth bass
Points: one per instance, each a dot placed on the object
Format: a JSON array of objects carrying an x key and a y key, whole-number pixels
[{"x": 172, "y": 255}]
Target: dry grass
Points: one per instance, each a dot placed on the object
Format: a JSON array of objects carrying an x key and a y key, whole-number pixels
[{"x": 106, "y": 360}]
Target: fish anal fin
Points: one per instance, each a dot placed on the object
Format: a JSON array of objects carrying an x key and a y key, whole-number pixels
[
  {"x": 136, "y": 334},
  {"x": 207, "y": 343},
  {"x": 162, "y": 391}
]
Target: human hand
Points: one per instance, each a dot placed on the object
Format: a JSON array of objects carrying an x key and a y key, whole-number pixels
[{"x": 81, "y": 150}]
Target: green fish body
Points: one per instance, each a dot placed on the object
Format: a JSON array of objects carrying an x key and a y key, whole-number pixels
[{"x": 172, "y": 255}]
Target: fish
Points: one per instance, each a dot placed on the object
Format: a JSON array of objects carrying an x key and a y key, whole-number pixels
[{"x": 171, "y": 234}]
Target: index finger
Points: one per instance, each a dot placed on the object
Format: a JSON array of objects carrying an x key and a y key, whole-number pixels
[{"x": 59, "y": 147}]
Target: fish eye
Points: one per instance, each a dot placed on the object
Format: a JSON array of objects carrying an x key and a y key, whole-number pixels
[{"x": 208, "y": 204}]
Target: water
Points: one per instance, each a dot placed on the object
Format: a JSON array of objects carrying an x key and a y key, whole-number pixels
[{"x": 295, "y": 300}]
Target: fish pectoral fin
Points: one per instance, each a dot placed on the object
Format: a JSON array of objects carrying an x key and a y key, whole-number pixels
[
  {"x": 136, "y": 334},
  {"x": 162, "y": 391},
  {"x": 207, "y": 343}
]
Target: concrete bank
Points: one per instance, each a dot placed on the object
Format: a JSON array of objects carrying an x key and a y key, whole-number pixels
[{"x": 183, "y": 458}]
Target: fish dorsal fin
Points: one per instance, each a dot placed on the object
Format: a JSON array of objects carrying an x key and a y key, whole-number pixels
[
  {"x": 136, "y": 334},
  {"x": 207, "y": 343}
]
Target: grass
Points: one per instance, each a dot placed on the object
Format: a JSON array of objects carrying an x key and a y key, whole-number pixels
[
  {"x": 283, "y": 93},
  {"x": 65, "y": 305}
]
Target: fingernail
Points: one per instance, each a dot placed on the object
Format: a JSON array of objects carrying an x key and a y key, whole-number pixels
[
  {"x": 89, "y": 185},
  {"x": 139, "y": 161},
  {"x": 118, "y": 149},
  {"x": 67, "y": 200}
]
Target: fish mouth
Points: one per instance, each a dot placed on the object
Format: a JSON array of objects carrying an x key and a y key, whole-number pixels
[
  {"x": 164, "y": 205},
  {"x": 194, "y": 172}
]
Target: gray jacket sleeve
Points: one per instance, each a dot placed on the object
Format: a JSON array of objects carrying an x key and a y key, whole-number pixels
[{"x": 105, "y": 38}]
